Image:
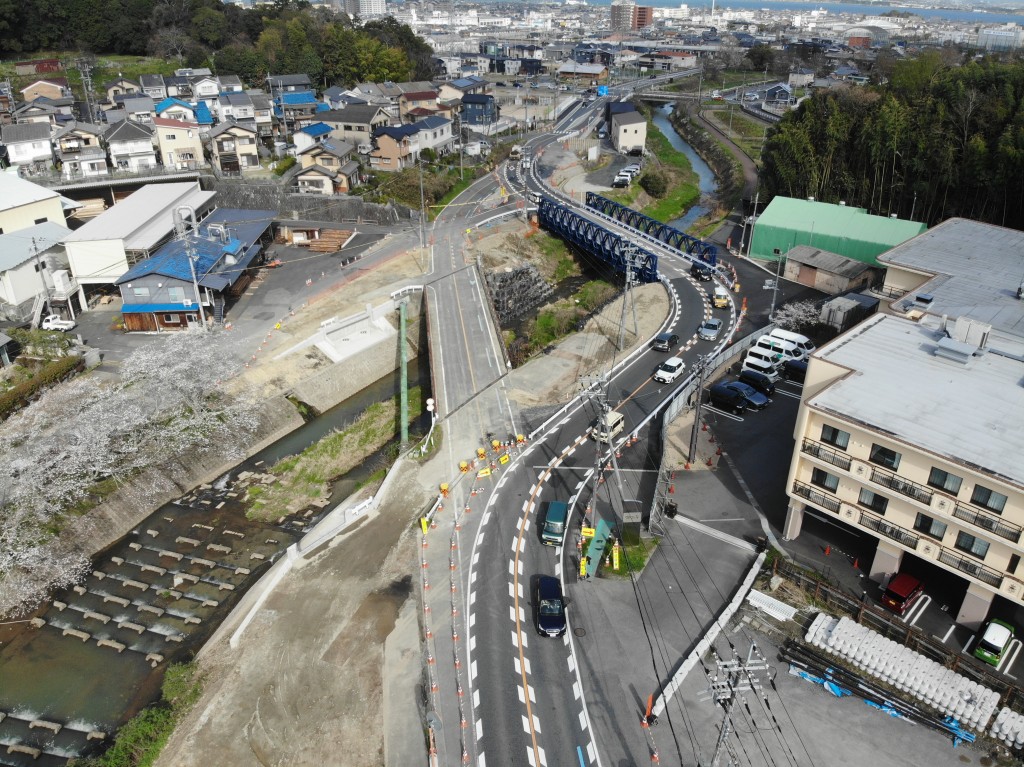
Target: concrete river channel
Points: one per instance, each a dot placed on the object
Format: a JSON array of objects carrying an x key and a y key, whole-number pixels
[{"x": 94, "y": 655}]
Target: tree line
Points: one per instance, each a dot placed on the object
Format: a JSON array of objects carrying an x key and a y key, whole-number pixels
[
  {"x": 286, "y": 37},
  {"x": 935, "y": 141}
]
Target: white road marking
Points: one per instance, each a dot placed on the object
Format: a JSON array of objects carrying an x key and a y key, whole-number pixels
[
  {"x": 583, "y": 721},
  {"x": 476, "y": 701},
  {"x": 536, "y": 723},
  {"x": 522, "y": 695},
  {"x": 529, "y": 752},
  {"x": 480, "y": 761},
  {"x": 512, "y": 613},
  {"x": 491, "y": 502},
  {"x": 472, "y": 620},
  {"x": 543, "y": 758},
  {"x": 950, "y": 631},
  {"x": 479, "y": 734},
  {"x": 472, "y": 577},
  {"x": 515, "y": 662},
  {"x": 515, "y": 544},
  {"x": 591, "y": 753},
  {"x": 576, "y": 690},
  {"x": 526, "y": 524},
  {"x": 526, "y": 503},
  {"x": 486, "y": 517},
  {"x": 472, "y": 670},
  {"x": 526, "y": 723},
  {"x": 571, "y": 451},
  {"x": 572, "y": 664},
  {"x": 476, "y": 558},
  {"x": 511, "y": 566},
  {"x": 526, "y": 665},
  {"x": 533, "y": 489}
]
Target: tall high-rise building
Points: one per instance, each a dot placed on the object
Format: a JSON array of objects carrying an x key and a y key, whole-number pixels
[
  {"x": 643, "y": 16},
  {"x": 622, "y": 15},
  {"x": 372, "y": 8}
]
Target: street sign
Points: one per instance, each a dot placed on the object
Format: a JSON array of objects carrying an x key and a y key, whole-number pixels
[{"x": 588, "y": 532}]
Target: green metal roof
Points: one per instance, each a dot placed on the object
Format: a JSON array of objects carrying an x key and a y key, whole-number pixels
[{"x": 851, "y": 232}]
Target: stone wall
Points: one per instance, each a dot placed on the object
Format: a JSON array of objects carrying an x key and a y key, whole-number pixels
[
  {"x": 270, "y": 195},
  {"x": 516, "y": 292}
]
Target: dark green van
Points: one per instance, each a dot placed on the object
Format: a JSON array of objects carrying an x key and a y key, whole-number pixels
[{"x": 555, "y": 517}]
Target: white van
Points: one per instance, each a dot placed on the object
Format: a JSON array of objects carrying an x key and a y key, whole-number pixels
[
  {"x": 805, "y": 344},
  {"x": 616, "y": 423},
  {"x": 765, "y": 368},
  {"x": 787, "y": 349},
  {"x": 774, "y": 359}
]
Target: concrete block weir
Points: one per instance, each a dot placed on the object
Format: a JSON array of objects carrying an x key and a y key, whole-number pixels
[{"x": 95, "y": 655}]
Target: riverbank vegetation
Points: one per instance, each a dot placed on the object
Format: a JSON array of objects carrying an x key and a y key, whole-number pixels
[
  {"x": 935, "y": 141},
  {"x": 306, "y": 477},
  {"x": 68, "y": 449},
  {"x": 140, "y": 741}
]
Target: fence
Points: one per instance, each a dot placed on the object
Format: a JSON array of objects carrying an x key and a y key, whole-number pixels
[{"x": 831, "y": 597}]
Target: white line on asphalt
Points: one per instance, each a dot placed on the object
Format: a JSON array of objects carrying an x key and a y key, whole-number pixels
[
  {"x": 543, "y": 758},
  {"x": 480, "y": 536},
  {"x": 522, "y": 615},
  {"x": 472, "y": 620},
  {"x": 526, "y": 503},
  {"x": 565, "y": 449},
  {"x": 536, "y": 726},
  {"x": 529, "y": 752},
  {"x": 501, "y": 483},
  {"x": 512, "y": 613},
  {"x": 519, "y": 588},
  {"x": 919, "y": 609},
  {"x": 526, "y": 664},
  {"x": 526, "y": 724},
  {"x": 727, "y": 519},
  {"x": 533, "y": 489},
  {"x": 472, "y": 670},
  {"x": 723, "y": 413},
  {"x": 522, "y": 695},
  {"x": 480, "y": 762},
  {"x": 472, "y": 577},
  {"x": 515, "y": 543},
  {"x": 515, "y": 638},
  {"x": 591, "y": 754},
  {"x": 486, "y": 517},
  {"x": 511, "y": 590},
  {"x": 571, "y": 451},
  {"x": 472, "y": 598},
  {"x": 564, "y": 421},
  {"x": 480, "y": 734},
  {"x": 494, "y": 500},
  {"x": 476, "y": 702},
  {"x": 583, "y": 721},
  {"x": 520, "y": 567},
  {"x": 476, "y": 557},
  {"x": 533, "y": 694},
  {"x": 515, "y": 662},
  {"x": 511, "y": 566},
  {"x": 572, "y": 664},
  {"x": 526, "y": 524},
  {"x": 576, "y": 690},
  {"x": 950, "y": 631},
  {"x": 717, "y": 534},
  {"x": 580, "y": 484},
  {"x": 524, "y": 640}
]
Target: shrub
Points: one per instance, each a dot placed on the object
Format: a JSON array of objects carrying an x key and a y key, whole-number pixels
[
  {"x": 51, "y": 373},
  {"x": 655, "y": 184},
  {"x": 283, "y": 166}
]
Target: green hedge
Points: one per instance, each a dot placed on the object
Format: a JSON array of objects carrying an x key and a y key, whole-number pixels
[{"x": 53, "y": 372}]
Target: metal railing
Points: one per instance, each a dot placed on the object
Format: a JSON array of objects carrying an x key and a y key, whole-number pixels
[
  {"x": 889, "y": 530},
  {"x": 902, "y": 486},
  {"x": 971, "y": 567},
  {"x": 1007, "y": 530},
  {"x": 826, "y": 454},
  {"x": 817, "y": 497}
]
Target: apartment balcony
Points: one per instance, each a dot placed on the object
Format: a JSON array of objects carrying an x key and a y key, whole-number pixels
[
  {"x": 972, "y": 567},
  {"x": 902, "y": 486},
  {"x": 889, "y": 530},
  {"x": 816, "y": 497},
  {"x": 826, "y": 454},
  {"x": 1002, "y": 528}
]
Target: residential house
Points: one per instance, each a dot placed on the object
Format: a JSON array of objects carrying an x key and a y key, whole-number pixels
[
  {"x": 436, "y": 133},
  {"x": 356, "y": 124},
  {"x": 231, "y": 84},
  {"x": 176, "y": 109},
  {"x": 131, "y": 146},
  {"x": 457, "y": 89},
  {"x": 237, "y": 107},
  {"x": 263, "y": 114},
  {"x": 234, "y": 147},
  {"x": 49, "y": 112},
  {"x": 153, "y": 86},
  {"x": 80, "y": 151},
  {"x": 479, "y": 109},
  {"x": 34, "y": 274},
  {"x": 28, "y": 144},
  {"x": 122, "y": 86},
  {"x": 327, "y": 168},
  {"x": 396, "y": 148},
  {"x": 51, "y": 88},
  {"x": 6, "y": 104},
  {"x": 179, "y": 143},
  {"x": 296, "y": 109},
  {"x": 629, "y": 132},
  {"x": 24, "y": 204},
  {"x": 131, "y": 230},
  {"x": 140, "y": 109},
  {"x": 779, "y": 94},
  {"x": 801, "y": 78},
  {"x": 309, "y": 135},
  {"x": 418, "y": 100},
  {"x": 571, "y": 70},
  {"x": 178, "y": 86},
  {"x": 336, "y": 97},
  {"x": 279, "y": 84},
  {"x": 206, "y": 88},
  {"x": 159, "y": 293}
]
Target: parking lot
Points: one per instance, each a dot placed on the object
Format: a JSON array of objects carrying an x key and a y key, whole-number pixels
[{"x": 759, "y": 444}]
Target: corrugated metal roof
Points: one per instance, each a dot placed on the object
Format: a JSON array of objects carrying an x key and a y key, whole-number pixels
[
  {"x": 145, "y": 217},
  {"x": 18, "y": 247},
  {"x": 843, "y": 229},
  {"x": 16, "y": 191},
  {"x": 827, "y": 261}
]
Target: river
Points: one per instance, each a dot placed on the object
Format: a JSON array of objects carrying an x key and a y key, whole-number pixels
[
  {"x": 706, "y": 181},
  {"x": 153, "y": 598}
]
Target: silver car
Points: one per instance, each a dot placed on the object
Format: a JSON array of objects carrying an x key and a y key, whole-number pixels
[{"x": 710, "y": 329}]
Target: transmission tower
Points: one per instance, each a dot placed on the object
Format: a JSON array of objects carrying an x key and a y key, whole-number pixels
[{"x": 733, "y": 678}]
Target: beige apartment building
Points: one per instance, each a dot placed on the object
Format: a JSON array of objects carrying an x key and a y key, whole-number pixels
[
  {"x": 180, "y": 144},
  {"x": 911, "y": 425}
]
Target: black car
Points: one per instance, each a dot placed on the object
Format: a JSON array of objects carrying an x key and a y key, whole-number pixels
[
  {"x": 702, "y": 272},
  {"x": 549, "y": 607},
  {"x": 759, "y": 381},
  {"x": 665, "y": 342},
  {"x": 737, "y": 397},
  {"x": 794, "y": 370}
]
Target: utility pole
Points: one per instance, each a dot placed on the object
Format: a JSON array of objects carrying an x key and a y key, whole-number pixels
[
  {"x": 775, "y": 286},
  {"x": 423, "y": 205},
  {"x": 86, "y": 72},
  {"x": 632, "y": 256},
  {"x": 702, "y": 364},
  {"x": 403, "y": 388},
  {"x": 731, "y": 677},
  {"x": 42, "y": 276},
  {"x": 181, "y": 230}
]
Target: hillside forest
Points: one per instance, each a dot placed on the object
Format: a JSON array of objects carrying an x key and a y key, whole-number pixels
[
  {"x": 935, "y": 141},
  {"x": 286, "y": 37}
]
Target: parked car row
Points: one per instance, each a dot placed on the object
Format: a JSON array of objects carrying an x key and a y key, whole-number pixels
[
  {"x": 626, "y": 175},
  {"x": 780, "y": 353}
]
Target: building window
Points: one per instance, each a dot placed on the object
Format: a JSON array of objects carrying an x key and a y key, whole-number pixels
[
  {"x": 943, "y": 480},
  {"x": 1014, "y": 561},
  {"x": 191, "y": 318},
  {"x": 176, "y": 293},
  {"x": 883, "y": 456},
  {"x": 930, "y": 527},
  {"x": 970, "y": 544},
  {"x": 873, "y": 501},
  {"x": 140, "y": 292},
  {"x": 41, "y": 220},
  {"x": 170, "y": 318},
  {"x": 170, "y": 137},
  {"x": 823, "y": 479},
  {"x": 988, "y": 499},
  {"x": 835, "y": 437}
]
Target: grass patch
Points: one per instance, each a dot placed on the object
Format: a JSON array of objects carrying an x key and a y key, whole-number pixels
[
  {"x": 459, "y": 187},
  {"x": 747, "y": 133},
  {"x": 140, "y": 741},
  {"x": 682, "y": 180},
  {"x": 306, "y": 477}
]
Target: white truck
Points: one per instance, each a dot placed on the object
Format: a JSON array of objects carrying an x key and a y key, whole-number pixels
[{"x": 54, "y": 322}]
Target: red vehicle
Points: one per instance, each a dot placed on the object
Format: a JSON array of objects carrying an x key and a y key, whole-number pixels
[{"x": 902, "y": 593}]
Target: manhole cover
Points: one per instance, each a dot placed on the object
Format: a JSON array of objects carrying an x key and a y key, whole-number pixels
[{"x": 579, "y": 632}]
